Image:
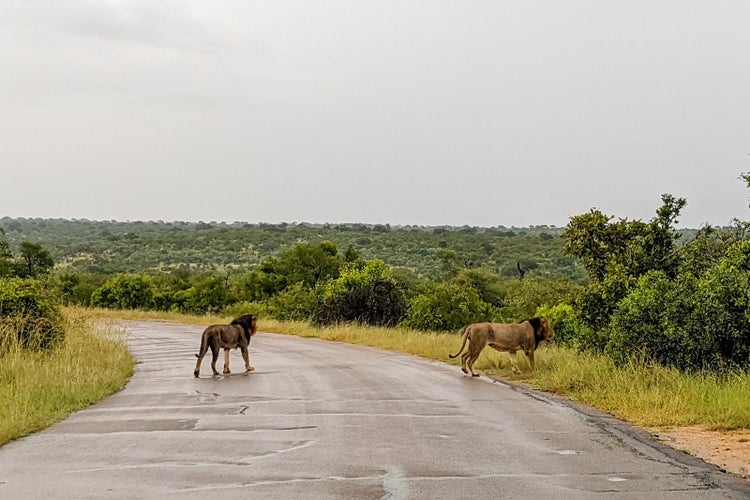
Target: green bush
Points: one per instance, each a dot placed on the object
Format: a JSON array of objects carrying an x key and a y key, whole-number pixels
[
  {"x": 364, "y": 293},
  {"x": 690, "y": 323},
  {"x": 295, "y": 303},
  {"x": 565, "y": 321},
  {"x": 125, "y": 291},
  {"x": 446, "y": 307},
  {"x": 259, "y": 309},
  {"x": 209, "y": 294},
  {"x": 523, "y": 298},
  {"x": 643, "y": 325},
  {"x": 30, "y": 316}
]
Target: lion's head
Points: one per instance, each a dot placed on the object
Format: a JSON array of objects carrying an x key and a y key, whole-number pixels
[
  {"x": 542, "y": 329},
  {"x": 248, "y": 322}
]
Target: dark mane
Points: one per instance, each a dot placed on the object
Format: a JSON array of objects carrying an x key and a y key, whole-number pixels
[
  {"x": 246, "y": 322},
  {"x": 536, "y": 324}
]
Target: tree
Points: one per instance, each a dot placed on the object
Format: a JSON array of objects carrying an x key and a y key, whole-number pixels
[
  {"x": 364, "y": 293},
  {"x": 304, "y": 263},
  {"x": 6, "y": 263},
  {"x": 37, "y": 260},
  {"x": 637, "y": 246}
]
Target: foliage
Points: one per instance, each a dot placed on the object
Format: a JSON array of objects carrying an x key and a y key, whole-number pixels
[
  {"x": 33, "y": 262},
  {"x": 565, "y": 321},
  {"x": 523, "y": 298},
  {"x": 112, "y": 247},
  {"x": 38, "y": 390},
  {"x": 446, "y": 307},
  {"x": 295, "y": 303},
  {"x": 30, "y": 316},
  {"x": 125, "y": 291},
  {"x": 209, "y": 294},
  {"x": 633, "y": 246},
  {"x": 364, "y": 293},
  {"x": 305, "y": 263}
]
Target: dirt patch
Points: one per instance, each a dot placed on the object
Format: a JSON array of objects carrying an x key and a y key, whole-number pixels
[{"x": 730, "y": 450}]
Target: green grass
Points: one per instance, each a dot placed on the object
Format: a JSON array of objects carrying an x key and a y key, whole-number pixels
[
  {"x": 39, "y": 388},
  {"x": 647, "y": 395}
]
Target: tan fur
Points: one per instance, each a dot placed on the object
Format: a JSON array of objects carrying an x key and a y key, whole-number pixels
[
  {"x": 227, "y": 337},
  {"x": 509, "y": 337}
]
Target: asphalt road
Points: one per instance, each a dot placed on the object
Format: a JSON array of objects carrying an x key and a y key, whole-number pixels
[{"x": 327, "y": 420}]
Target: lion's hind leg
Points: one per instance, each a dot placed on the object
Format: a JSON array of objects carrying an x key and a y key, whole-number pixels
[
  {"x": 474, "y": 352},
  {"x": 214, "y": 357},
  {"x": 464, "y": 360}
]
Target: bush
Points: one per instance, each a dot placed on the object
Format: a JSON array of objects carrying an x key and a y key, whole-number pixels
[
  {"x": 295, "y": 303},
  {"x": 565, "y": 321},
  {"x": 523, "y": 298},
  {"x": 690, "y": 323},
  {"x": 125, "y": 291},
  {"x": 364, "y": 293},
  {"x": 259, "y": 309},
  {"x": 643, "y": 323},
  {"x": 30, "y": 317},
  {"x": 446, "y": 307},
  {"x": 377, "y": 303}
]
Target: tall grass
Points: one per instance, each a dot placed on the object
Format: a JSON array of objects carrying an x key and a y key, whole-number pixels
[
  {"x": 647, "y": 395},
  {"x": 41, "y": 387}
]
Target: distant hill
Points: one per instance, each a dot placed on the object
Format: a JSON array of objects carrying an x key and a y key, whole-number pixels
[{"x": 110, "y": 246}]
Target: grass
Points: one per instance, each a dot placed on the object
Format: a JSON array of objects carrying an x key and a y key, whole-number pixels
[
  {"x": 648, "y": 395},
  {"x": 39, "y": 388}
]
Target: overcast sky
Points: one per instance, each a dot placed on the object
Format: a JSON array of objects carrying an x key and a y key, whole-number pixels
[{"x": 479, "y": 113}]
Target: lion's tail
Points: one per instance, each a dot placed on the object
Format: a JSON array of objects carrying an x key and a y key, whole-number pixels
[
  {"x": 206, "y": 342},
  {"x": 466, "y": 336}
]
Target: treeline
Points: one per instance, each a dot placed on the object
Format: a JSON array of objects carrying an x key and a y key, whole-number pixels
[{"x": 110, "y": 247}]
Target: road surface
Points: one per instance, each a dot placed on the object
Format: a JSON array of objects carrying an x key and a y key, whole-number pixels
[{"x": 325, "y": 420}]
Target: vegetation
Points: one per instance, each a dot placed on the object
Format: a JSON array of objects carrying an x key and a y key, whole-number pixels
[
  {"x": 111, "y": 247},
  {"x": 683, "y": 306},
  {"x": 637, "y": 306},
  {"x": 39, "y": 388}
]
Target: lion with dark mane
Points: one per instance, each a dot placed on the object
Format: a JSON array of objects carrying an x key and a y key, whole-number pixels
[
  {"x": 509, "y": 337},
  {"x": 227, "y": 337}
]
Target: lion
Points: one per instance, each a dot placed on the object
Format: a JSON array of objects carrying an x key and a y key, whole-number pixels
[
  {"x": 227, "y": 337},
  {"x": 509, "y": 337}
]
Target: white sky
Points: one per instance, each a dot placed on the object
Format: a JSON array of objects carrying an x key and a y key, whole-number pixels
[{"x": 425, "y": 112}]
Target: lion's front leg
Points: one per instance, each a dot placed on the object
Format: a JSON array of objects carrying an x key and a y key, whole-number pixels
[
  {"x": 226, "y": 361},
  {"x": 246, "y": 357},
  {"x": 513, "y": 363}
]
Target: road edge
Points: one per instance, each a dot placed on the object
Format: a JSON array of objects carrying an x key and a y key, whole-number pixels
[{"x": 713, "y": 474}]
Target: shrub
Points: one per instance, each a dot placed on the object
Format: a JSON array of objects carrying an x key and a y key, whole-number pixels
[
  {"x": 446, "y": 307},
  {"x": 237, "y": 309},
  {"x": 565, "y": 321},
  {"x": 364, "y": 293},
  {"x": 295, "y": 303},
  {"x": 125, "y": 291},
  {"x": 30, "y": 317}
]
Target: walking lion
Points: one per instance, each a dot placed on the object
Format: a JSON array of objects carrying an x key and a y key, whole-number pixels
[
  {"x": 227, "y": 337},
  {"x": 509, "y": 337}
]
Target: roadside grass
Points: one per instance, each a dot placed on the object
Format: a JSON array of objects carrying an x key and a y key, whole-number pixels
[
  {"x": 41, "y": 387},
  {"x": 644, "y": 394}
]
